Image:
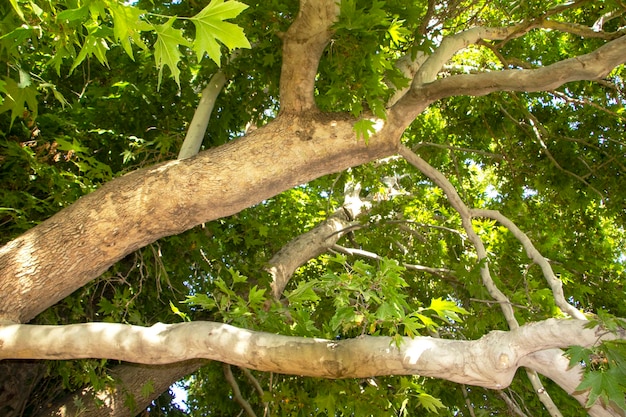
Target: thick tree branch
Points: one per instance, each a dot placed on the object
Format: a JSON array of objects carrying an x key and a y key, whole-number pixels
[
  {"x": 554, "y": 365},
  {"x": 453, "y": 44},
  {"x": 316, "y": 241},
  {"x": 490, "y": 361},
  {"x": 130, "y": 380},
  {"x": 591, "y": 66},
  {"x": 303, "y": 45},
  {"x": 63, "y": 253}
]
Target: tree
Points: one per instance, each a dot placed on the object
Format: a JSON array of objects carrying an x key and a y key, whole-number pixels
[{"x": 400, "y": 196}]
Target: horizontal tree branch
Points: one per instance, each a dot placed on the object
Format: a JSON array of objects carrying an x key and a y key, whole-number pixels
[{"x": 490, "y": 361}]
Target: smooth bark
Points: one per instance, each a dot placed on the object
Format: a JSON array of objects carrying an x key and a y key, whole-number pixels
[{"x": 490, "y": 361}]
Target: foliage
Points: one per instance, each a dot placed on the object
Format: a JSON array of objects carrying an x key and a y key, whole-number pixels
[{"x": 83, "y": 101}]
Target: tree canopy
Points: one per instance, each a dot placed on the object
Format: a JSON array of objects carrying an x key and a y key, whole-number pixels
[{"x": 357, "y": 207}]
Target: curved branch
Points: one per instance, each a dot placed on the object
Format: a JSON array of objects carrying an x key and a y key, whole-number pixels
[
  {"x": 592, "y": 66},
  {"x": 466, "y": 217},
  {"x": 453, "y": 44},
  {"x": 316, "y": 241},
  {"x": 554, "y": 365}
]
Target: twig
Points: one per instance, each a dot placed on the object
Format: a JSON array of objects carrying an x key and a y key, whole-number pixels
[{"x": 375, "y": 256}]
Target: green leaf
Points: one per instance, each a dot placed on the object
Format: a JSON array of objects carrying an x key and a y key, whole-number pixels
[
  {"x": 128, "y": 25},
  {"x": 430, "y": 403},
  {"x": 17, "y": 99},
  {"x": 179, "y": 313},
  {"x": 364, "y": 128},
  {"x": 577, "y": 354},
  {"x": 604, "y": 385},
  {"x": 201, "y": 300},
  {"x": 303, "y": 292},
  {"x": 210, "y": 28},
  {"x": 166, "y": 49},
  {"x": 236, "y": 276},
  {"x": 94, "y": 45},
  {"x": 447, "y": 309},
  {"x": 256, "y": 296},
  {"x": 74, "y": 14},
  {"x": 343, "y": 319},
  {"x": 17, "y": 9},
  {"x": 386, "y": 312}
]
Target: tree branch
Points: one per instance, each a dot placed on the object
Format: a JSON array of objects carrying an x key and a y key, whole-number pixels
[
  {"x": 303, "y": 45},
  {"x": 466, "y": 218},
  {"x": 591, "y": 66},
  {"x": 554, "y": 365},
  {"x": 490, "y": 361},
  {"x": 130, "y": 380},
  {"x": 53, "y": 259},
  {"x": 200, "y": 121},
  {"x": 372, "y": 255},
  {"x": 228, "y": 374},
  {"x": 316, "y": 241},
  {"x": 555, "y": 284}
]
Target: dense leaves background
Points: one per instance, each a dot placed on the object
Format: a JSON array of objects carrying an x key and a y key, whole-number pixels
[{"x": 82, "y": 105}]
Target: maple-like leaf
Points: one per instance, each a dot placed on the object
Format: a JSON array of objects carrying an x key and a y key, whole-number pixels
[
  {"x": 18, "y": 98},
  {"x": 210, "y": 28},
  {"x": 166, "y": 50},
  {"x": 128, "y": 25}
]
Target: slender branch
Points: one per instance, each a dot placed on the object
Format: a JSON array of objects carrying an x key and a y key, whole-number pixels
[
  {"x": 555, "y": 284},
  {"x": 253, "y": 381},
  {"x": 372, "y": 255},
  {"x": 466, "y": 218},
  {"x": 228, "y": 374},
  {"x": 581, "y": 30},
  {"x": 539, "y": 132},
  {"x": 511, "y": 404},
  {"x": 199, "y": 122},
  {"x": 468, "y": 403}
]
